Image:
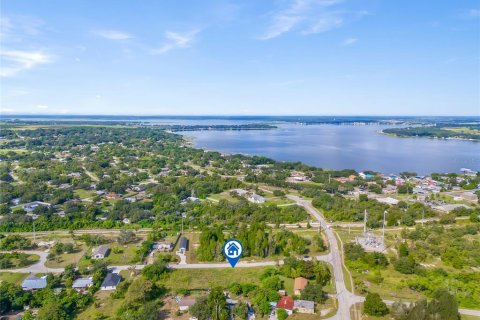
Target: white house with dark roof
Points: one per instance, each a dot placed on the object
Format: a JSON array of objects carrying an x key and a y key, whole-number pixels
[{"x": 110, "y": 282}]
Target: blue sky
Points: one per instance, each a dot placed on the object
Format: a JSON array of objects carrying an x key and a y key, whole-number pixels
[{"x": 292, "y": 57}]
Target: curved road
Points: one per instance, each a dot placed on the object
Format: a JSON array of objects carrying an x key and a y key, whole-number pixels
[{"x": 345, "y": 298}]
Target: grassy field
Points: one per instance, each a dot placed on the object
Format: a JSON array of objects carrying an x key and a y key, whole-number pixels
[
  {"x": 103, "y": 305},
  {"x": 394, "y": 285},
  {"x": 31, "y": 259},
  {"x": 65, "y": 259},
  {"x": 207, "y": 278},
  {"x": 84, "y": 194},
  {"x": 122, "y": 255},
  {"x": 5, "y": 151},
  {"x": 12, "y": 277}
]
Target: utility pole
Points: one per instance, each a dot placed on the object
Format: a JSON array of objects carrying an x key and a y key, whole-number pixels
[
  {"x": 34, "y": 237},
  {"x": 365, "y": 222},
  {"x": 184, "y": 214},
  {"x": 423, "y": 216},
  {"x": 383, "y": 231}
]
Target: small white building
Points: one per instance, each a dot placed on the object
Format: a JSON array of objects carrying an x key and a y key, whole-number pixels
[{"x": 185, "y": 303}]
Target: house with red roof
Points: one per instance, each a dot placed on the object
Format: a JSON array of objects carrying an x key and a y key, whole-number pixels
[{"x": 286, "y": 303}]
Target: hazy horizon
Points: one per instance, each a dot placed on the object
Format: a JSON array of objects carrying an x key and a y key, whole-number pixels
[{"x": 287, "y": 57}]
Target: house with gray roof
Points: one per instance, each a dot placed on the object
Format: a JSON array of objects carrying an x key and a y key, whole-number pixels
[
  {"x": 111, "y": 281},
  {"x": 82, "y": 284},
  {"x": 183, "y": 245},
  {"x": 304, "y": 306},
  {"x": 100, "y": 252},
  {"x": 34, "y": 283}
]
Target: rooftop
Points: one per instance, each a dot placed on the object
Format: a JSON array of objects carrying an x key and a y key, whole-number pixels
[
  {"x": 82, "y": 283},
  {"x": 300, "y": 283},
  {"x": 285, "y": 303},
  {"x": 111, "y": 280}
]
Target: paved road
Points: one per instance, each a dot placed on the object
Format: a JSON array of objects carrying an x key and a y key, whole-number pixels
[{"x": 345, "y": 298}]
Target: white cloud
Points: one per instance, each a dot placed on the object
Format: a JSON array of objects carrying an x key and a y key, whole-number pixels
[
  {"x": 176, "y": 40},
  {"x": 349, "y": 41},
  {"x": 313, "y": 16},
  {"x": 15, "y": 61},
  {"x": 42, "y": 106},
  {"x": 113, "y": 34},
  {"x": 10, "y": 110},
  {"x": 14, "y": 28},
  {"x": 474, "y": 13}
]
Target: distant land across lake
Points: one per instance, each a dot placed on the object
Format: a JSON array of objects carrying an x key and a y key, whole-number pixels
[{"x": 333, "y": 142}]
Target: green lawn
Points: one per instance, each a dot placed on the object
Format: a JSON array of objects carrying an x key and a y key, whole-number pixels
[
  {"x": 12, "y": 277},
  {"x": 208, "y": 278},
  {"x": 122, "y": 255},
  {"x": 64, "y": 260},
  {"x": 31, "y": 259},
  {"x": 84, "y": 194},
  {"x": 103, "y": 305}
]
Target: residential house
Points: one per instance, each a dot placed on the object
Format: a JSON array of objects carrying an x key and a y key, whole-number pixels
[
  {"x": 100, "y": 252},
  {"x": 286, "y": 303},
  {"x": 110, "y": 282},
  {"x": 183, "y": 245},
  {"x": 366, "y": 176},
  {"x": 388, "y": 200},
  {"x": 82, "y": 284},
  {"x": 185, "y": 303},
  {"x": 47, "y": 244},
  {"x": 240, "y": 192},
  {"x": 130, "y": 199},
  {"x": 112, "y": 196},
  {"x": 449, "y": 207},
  {"x": 29, "y": 207},
  {"x": 299, "y": 284},
  {"x": 65, "y": 186},
  {"x": 74, "y": 175},
  {"x": 34, "y": 283},
  {"x": 304, "y": 306},
  {"x": 61, "y": 214},
  {"x": 255, "y": 198},
  {"x": 140, "y": 187},
  {"x": 163, "y": 246}
]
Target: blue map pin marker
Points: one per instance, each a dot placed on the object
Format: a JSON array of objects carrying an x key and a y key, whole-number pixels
[{"x": 233, "y": 251}]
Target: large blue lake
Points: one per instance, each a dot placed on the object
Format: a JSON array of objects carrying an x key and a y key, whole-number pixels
[{"x": 345, "y": 146}]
